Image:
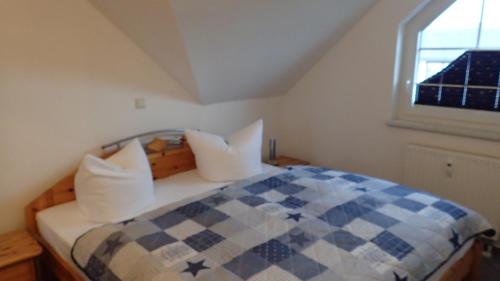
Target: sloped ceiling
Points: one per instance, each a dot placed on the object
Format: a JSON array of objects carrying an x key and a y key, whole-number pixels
[{"x": 223, "y": 50}]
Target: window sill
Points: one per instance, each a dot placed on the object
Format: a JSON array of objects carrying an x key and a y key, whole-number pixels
[{"x": 490, "y": 134}]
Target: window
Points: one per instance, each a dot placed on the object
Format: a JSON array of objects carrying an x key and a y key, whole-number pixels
[
  {"x": 448, "y": 74},
  {"x": 448, "y": 78}
]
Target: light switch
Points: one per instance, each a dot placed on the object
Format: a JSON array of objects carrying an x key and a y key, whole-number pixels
[{"x": 140, "y": 103}]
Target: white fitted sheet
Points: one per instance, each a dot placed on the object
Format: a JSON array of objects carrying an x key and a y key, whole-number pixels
[{"x": 61, "y": 225}]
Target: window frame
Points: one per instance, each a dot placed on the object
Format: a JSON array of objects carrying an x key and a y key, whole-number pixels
[{"x": 456, "y": 121}]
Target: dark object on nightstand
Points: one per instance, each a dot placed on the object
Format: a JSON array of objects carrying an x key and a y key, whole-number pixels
[
  {"x": 18, "y": 251},
  {"x": 283, "y": 161}
]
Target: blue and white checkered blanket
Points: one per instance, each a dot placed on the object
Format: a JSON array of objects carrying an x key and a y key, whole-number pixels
[{"x": 305, "y": 223}]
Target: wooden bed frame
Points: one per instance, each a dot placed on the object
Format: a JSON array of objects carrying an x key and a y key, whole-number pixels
[{"x": 163, "y": 165}]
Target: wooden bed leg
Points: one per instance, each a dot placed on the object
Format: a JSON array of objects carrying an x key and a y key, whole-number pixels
[{"x": 475, "y": 270}]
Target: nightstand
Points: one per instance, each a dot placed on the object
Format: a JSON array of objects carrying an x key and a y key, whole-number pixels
[
  {"x": 18, "y": 251},
  {"x": 283, "y": 161}
]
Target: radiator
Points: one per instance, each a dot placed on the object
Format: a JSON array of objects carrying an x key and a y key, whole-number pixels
[{"x": 471, "y": 180}]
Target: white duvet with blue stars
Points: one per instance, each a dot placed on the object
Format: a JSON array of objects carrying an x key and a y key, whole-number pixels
[{"x": 304, "y": 223}]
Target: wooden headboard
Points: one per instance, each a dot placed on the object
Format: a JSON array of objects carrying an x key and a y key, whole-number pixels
[{"x": 164, "y": 164}]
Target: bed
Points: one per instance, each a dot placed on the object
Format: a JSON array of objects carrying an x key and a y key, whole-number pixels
[{"x": 54, "y": 220}]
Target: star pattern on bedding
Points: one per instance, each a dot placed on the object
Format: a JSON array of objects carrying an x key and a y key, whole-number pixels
[
  {"x": 216, "y": 200},
  {"x": 195, "y": 267},
  {"x": 299, "y": 239},
  {"x": 399, "y": 278},
  {"x": 455, "y": 239},
  {"x": 362, "y": 189},
  {"x": 296, "y": 217},
  {"x": 112, "y": 245},
  {"x": 307, "y": 224}
]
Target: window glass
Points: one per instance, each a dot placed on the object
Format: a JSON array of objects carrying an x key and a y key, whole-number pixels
[
  {"x": 490, "y": 31},
  {"x": 457, "y": 27},
  {"x": 432, "y": 61}
]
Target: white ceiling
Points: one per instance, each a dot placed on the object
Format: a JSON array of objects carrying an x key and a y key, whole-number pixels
[{"x": 222, "y": 50}]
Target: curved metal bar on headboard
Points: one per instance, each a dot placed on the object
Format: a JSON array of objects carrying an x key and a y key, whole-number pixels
[
  {"x": 118, "y": 143},
  {"x": 178, "y": 159}
]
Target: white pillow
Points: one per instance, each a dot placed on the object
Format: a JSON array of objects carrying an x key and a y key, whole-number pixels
[
  {"x": 117, "y": 188},
  {"x": 218, "y": 161}
]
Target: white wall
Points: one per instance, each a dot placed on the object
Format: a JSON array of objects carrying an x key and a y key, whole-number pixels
[
  {"x": 68, "y": 79},
  {"x": 226, "y": 118},
  {"x": 152, "y": 26},
  {"x": 336, "y": 114}
]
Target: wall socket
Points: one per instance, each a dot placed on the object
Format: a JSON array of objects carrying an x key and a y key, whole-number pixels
[{"x": 140, "y": 103}]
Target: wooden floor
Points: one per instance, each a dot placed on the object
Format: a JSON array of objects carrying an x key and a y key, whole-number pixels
[{"x": 490, "y": 267}]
